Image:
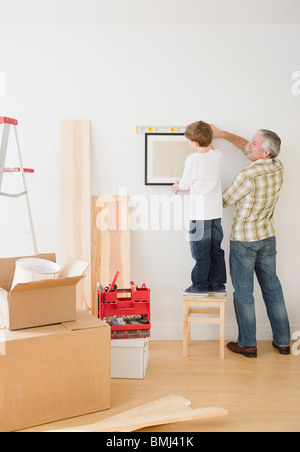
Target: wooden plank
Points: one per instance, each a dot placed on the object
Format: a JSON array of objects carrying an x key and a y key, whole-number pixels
[
  {"x": 110, "y": 243},
  {"x": 75, "y": 193},
  {"x": 166, "y": 410}
]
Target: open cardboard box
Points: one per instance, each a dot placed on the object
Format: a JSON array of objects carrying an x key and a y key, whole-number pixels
[{"x": 39, "y": 303}]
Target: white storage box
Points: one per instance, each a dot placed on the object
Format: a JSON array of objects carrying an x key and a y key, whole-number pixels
[{"x": 129, "y": 358}]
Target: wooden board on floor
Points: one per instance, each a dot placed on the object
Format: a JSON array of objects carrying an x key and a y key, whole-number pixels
[
  {"x": 167, "y": 410},
  {"x": 110, "y": 243},
  {"x": 75, "y": 195}
]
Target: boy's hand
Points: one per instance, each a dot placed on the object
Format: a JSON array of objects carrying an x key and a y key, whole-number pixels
[{"x": 175, "y": 188}]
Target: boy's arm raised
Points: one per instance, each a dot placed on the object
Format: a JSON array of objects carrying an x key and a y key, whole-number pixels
[{"x": 236, "y": 140}]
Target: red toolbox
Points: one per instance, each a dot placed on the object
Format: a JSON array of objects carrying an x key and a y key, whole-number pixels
[{"x": 127, "y": 311}]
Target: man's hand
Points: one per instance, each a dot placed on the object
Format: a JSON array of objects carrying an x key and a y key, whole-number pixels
[
  {"x": 175, "y": 188},
  {"x": 218, "y": 133}
]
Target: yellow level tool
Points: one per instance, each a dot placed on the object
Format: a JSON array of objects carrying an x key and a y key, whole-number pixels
[{"x": 160, "y": 129}]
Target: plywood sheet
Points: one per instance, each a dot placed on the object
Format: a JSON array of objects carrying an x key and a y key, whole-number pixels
[
  {"x": 110, "y": 243},
  {"x": 75, "y": 194}
]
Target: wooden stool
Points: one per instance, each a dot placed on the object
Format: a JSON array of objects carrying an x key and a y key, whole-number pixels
[{"x": 208, "y": 305}]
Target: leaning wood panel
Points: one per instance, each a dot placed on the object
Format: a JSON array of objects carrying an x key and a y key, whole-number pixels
[
  {"x": 110, "y": 243},
  {"x": 75, "y": 193}
]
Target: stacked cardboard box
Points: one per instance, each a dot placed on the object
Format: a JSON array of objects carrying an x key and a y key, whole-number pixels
[{"x": 54, "y": 361}]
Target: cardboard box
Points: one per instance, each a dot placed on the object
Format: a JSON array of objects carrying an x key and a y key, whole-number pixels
[
  {"x": 129, "y": 358},
  {"x": 39, "y": 303},
  {"x": 54, "y": 372}
]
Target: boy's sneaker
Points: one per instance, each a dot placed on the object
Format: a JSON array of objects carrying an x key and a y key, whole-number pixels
[
  {"x": 218, "y": 293},
  {"x": 194, "y": 292}
]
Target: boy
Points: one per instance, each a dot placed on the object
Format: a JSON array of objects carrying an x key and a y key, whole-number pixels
[{"x": 202, "y": 177}]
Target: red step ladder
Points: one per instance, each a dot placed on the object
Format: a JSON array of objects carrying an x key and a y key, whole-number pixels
[{"x": 7, "y": 124}]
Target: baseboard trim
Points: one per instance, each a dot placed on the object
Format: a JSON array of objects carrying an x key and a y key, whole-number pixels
[{"x": 171, "y": 332}]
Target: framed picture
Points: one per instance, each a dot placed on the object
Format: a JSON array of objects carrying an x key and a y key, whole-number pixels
[{"x": 165, "y": 155}]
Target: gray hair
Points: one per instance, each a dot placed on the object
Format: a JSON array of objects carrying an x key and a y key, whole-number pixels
[{"x": 272, "y": 143}]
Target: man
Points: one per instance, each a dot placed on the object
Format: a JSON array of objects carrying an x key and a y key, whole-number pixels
[{"x": 255, "y": 192}]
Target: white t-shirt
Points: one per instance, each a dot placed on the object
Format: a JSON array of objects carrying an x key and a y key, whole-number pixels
[{"x": 202, "y": 176}]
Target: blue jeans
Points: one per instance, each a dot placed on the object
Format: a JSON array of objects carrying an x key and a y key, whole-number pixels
[
  {"x": 247, "y": 258},
  {"x": 209, "y": 272}
]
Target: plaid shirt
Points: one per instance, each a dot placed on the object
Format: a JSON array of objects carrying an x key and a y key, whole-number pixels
[{"x": 255, "y": 192}]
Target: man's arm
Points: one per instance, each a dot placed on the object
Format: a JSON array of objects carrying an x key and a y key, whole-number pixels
[{"x": 236, "y": 140}]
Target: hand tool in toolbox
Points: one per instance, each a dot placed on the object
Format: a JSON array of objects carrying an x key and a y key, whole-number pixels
[{"x": 113, "y": 284}]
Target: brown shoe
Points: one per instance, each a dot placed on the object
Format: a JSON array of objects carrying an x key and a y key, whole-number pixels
[
  {"x": 249, "y": 352},
  {"x": 282, "y": 350}
]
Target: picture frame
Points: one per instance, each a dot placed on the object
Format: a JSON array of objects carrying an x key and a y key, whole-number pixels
[{"x": 165, "y": 155}]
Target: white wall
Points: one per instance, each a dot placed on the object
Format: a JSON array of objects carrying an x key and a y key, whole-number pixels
[{"x": 123, "y": 75}]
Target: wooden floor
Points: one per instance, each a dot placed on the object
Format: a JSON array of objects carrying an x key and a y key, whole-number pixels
[{"x": 261, "y": 395}]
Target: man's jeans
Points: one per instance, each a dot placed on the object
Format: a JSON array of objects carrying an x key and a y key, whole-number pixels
[
  {"x": 247, "y": 258},
  {"x": 209, "y": 273}
]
